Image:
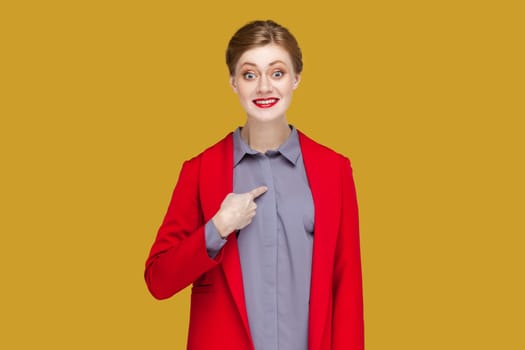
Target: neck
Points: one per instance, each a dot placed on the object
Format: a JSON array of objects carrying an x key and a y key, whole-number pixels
[{"x": 264, "y": 136}]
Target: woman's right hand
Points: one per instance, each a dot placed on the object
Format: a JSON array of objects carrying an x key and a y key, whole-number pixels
[{"x": 237, "y": 211}]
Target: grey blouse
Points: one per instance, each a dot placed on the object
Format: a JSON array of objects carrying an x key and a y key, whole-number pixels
[{"x": 276, "y": 248}]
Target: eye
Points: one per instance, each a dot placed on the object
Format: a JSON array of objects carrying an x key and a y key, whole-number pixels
[
  {"x": 249, "y": 76},
  {"x": 277, "y": 74}
]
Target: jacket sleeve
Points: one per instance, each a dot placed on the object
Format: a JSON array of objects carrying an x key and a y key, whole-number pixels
[
  {"x": 178, "y": 255},
  {"x": 347, "y": 323}
]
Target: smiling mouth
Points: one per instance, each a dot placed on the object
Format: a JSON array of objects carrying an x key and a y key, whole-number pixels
[{"x": 265, "y": 102}]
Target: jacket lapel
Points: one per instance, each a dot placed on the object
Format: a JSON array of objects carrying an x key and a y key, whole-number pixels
[
  {"x": 216, "y": 182},
  {"x": 326, "y": 195}
]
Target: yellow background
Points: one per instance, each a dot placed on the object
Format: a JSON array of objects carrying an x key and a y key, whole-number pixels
[{"x": 101, "y": 101}]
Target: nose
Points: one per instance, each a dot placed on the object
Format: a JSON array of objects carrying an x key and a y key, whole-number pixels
[{"x": 264, "y": 85}]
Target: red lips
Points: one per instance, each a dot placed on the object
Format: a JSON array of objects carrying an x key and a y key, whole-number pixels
[{"x": 265, "y": 102}]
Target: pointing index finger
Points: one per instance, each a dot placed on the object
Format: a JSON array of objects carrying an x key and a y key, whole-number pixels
[{"x": 256, "y": 192}]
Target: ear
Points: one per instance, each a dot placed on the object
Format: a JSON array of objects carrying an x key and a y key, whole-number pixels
[
  {"x": 296, "y": 81},
  {"x": 233, "y": 84}
]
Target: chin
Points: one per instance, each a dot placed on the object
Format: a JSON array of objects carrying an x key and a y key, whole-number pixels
[{"x": 266, "y": 117}]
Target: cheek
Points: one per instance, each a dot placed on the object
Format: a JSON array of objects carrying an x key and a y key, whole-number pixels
[
  {"x": 287, "y": 88},
  {"x": 285, "y": 84},
  {"x": 243, "y": 89}
]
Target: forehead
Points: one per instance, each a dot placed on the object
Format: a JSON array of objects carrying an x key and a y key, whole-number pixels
[{"x": 264, "y": 56}]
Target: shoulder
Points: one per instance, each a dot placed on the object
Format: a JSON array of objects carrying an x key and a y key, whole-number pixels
[
  {"x": 213, "y": 159},
  {"x": 319, "y": 152},
  {"x": 218, "y": 150}
]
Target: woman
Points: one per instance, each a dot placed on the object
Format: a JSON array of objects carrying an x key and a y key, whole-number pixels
[{"x": 264, "y": 223}]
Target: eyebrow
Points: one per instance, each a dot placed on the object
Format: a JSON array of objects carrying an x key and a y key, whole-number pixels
[{"x": 271, "y": 63}]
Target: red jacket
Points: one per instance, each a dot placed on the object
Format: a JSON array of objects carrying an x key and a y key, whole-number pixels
[{"x": 218, "y": 318}]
